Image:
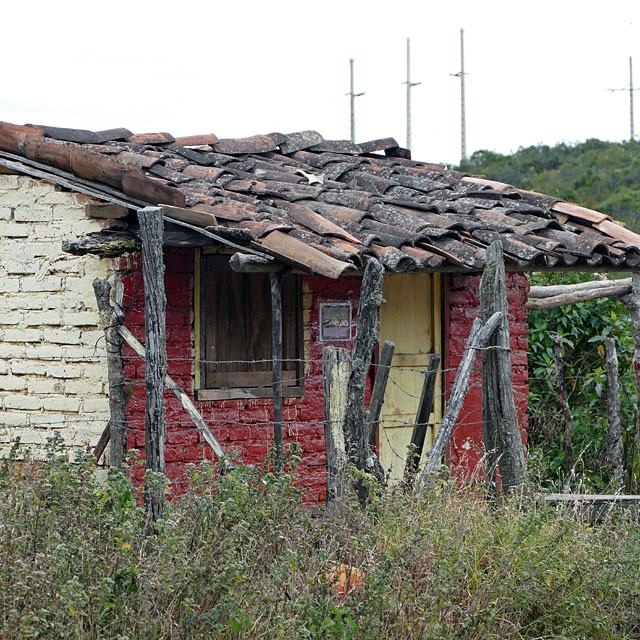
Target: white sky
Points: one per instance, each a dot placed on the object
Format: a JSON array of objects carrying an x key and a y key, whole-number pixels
[{"x": 538, "y": 71}]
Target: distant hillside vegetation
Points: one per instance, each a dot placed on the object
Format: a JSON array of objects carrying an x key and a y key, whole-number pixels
[{"x": 600, "y": 175}]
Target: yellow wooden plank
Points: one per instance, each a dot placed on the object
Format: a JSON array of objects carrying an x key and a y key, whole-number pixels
[{"x": 411, "y": 320}]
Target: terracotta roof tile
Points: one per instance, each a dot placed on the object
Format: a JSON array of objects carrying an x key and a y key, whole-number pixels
[{"x": 327, "y": 205}]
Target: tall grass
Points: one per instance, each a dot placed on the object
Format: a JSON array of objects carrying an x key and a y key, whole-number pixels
[{"x": 239, "y": 557}]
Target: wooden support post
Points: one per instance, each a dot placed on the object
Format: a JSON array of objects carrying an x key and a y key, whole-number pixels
[
  {"x": 356, "y": 425},
  {"x": 632, "y": 301},
  {"x": 155, "y": 302},
  {"x": 117, "y": 432},
  {"x": 500, "y": 420},
  {"x": 277, "y": 355},
  {"x": 379, "y": 388},
  {"x": 335, "y": 375},
  {"x": 480, "y": 333},
  {"x": 566, "y": 410},
  {"x": 614, "y": 431},
  {"x": 425, "y": 407}
]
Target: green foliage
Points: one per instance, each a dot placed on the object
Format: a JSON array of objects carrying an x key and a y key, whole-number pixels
[
  {"x": 583, "y": 328},
  {"x": 601, "y": 175},
  {"x": 238, "y": 557}
]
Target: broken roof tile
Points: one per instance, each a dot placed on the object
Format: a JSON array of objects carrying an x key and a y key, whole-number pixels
[
  {"x": 300, "y": 140},
  {"x": 151, "y": 138},
  {"x": 109, "y": 135},
  {"x": 163, "y": 171},
  {"x": 393, "y": 259},
  {"x": 239, "y": 146},
  {"x": 381, "y": 144},
  {"x": 338, "y": 146},
  {"x": 312, "y": 220},
  {"x": 48, "y": 151},
  {"x": 197, "y": 140}
]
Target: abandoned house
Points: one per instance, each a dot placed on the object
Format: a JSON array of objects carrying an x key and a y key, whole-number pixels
[{"x": 313, "y": 207}]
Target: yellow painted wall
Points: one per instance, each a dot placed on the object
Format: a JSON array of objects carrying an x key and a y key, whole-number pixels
[{"x": 411, "y": 318}]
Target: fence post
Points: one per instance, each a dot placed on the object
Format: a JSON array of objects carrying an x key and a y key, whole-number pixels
[
  {"x": 614, "y": 431},
  {"x": 155, "y": 302},
  {"x": 117, "y": 431},
  {"x": 356, "y": 425},
  {"x": 277, "y": 354},
  {"x": 335, "y": 375},
  {"x": 501, "y": 432},
  {"x": 425, "y": 407},
  {"x": 478, "y": 336},
  {"x": 379, "y": 389}
]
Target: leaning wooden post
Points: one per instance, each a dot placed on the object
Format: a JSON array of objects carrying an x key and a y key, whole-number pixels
[
  {"x": 356, "y": 425},
  {"x": 425, "y": 407},
  {"x": 335, "y": 375},
  {"x": 480, "y": 333},
  {"x": 379, "y": 389},
  {"x": 277, "y": 355},
  {"x": 566, "y": 409},
  {"x": 117, "y": 433},
  {"x": 499, "y": 418},
  {"x": 614, "y": 431},
  {"x": 155, "y": 324}
]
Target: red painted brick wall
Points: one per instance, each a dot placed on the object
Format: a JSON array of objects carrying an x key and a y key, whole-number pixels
[
  {"x": 461, "y": 306},
  {"x": 243, "y": 426}
]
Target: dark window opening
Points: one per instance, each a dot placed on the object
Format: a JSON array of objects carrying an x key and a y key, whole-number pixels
[{"x": 236, "y": 334}]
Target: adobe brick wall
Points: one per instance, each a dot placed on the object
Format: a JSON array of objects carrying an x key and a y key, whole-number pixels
[
  {"x": 462, "y": 304},
  {"x": 52, "y": 362},
  {"x": 242, "y": 426}
]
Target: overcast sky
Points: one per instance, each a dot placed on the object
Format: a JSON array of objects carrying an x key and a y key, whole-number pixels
[{"x": 538, "y": 71}]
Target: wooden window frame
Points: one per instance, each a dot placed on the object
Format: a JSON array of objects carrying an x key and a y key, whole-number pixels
[{"x": 239, "y": 385}]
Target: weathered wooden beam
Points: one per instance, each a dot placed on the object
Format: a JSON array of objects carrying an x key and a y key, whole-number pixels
[
  {"x": 425, "y": 407},
  {"x": 335, "y": 376},
  {"x": 502, "y": 440},
  {"x": 356, "y": 426},
  {"x": 277, "y": 355},
  {"x": 613, "y": 440},
  {"x": 480, "y": 333},
  {"x": 109, "y": 244},
  {"x": 115, "y": 374},
  {"x": 105, "y": 210},
  {"x": 561, "y": 388},
  {"x": 245, "y": 263},
  {"x": 179, "y": 393},
  {"x": 574, "y": 294},
  {"x": 103, "y": 441},
  {"x": 547, "y": 291},
  {"x": 379, "y": 389},
  {"x": 155, "y": 304}
]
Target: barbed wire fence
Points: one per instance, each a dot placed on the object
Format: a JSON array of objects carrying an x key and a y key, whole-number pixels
[{"x": 295, "y": 427}]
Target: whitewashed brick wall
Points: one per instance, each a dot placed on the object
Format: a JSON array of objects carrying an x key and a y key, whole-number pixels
[{"x": 53, "y": 373}]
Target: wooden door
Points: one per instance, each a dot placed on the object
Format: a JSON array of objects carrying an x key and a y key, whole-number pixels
[{"x": 412, "y": 319}]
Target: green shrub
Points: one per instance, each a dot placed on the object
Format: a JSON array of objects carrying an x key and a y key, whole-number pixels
[
  {"x": 583, "y": 328},
  {"x": 238, "y": 556}
]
